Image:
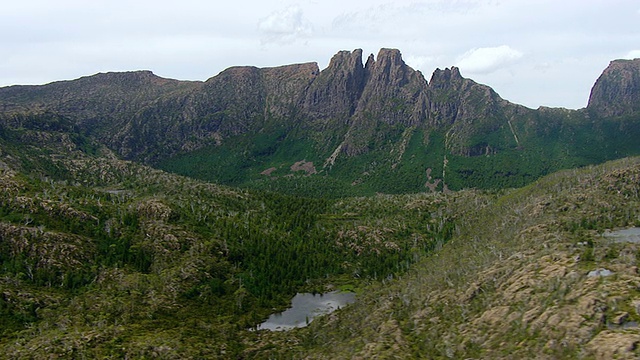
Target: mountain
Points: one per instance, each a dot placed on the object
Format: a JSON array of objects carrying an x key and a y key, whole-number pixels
[
  {"x": 359, "y": 128},
  {"x": 105, "y": 256},
  {"x": 617, "y": 90}
]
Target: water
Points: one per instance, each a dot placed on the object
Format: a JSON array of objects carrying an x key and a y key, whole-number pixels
[
  {"x": 624, "y": 325},
  {"x": 306, "y": 306},
  {"x": 600, "y": 272},
  {"x": 625, "y": 235}
]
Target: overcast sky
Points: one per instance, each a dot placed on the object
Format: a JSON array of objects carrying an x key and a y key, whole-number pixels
[{"x": 532, "y": 52}]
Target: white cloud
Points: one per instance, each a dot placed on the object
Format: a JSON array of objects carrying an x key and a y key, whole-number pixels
[
  {"x": 284, "y": 26},
  {"x": 43, "y": 41},
  {"x": 419, "y": 62},
  {"x": 488, "y": 59},
  {"x": 633, "y": 54}
]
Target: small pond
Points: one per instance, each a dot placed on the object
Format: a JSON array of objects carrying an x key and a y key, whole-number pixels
[
  {"x": 306, "y": 306},
  {"x": 631, "y": 235}
]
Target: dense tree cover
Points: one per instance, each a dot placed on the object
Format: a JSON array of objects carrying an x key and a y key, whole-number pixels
[
  {"x": 517, "y": 279},
  {"x": 102, "y": 257},
  {"x": 395, "y": 161},
  {"x": 112, "y": 245}
]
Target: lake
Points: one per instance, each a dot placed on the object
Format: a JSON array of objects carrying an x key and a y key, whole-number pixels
[
  {"x": 624, "y": 235},
  {"x": 306, "y": 306}
]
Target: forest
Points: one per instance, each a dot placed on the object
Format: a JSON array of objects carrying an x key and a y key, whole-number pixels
[
  {"x": 93, "y": 242},
  {"x": 106, "y": 258}
]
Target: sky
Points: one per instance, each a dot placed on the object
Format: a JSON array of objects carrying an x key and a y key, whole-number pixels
[{"x": 532, "y": 52}]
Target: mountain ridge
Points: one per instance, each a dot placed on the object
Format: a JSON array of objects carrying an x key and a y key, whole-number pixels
[{"x": 355, "y": 119}]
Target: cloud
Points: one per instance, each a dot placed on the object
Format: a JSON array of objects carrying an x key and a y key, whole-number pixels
[
  {"x": 419, "y": 62},
  {"x": 488, "y": 59},
  {"x": 284, "y": 26},
  {"x": 633, "y": 54}
]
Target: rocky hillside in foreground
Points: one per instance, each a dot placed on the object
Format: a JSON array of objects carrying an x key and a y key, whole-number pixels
[
  {"x": 528, "y": 274},
  {"x": 359, "y": 127}
]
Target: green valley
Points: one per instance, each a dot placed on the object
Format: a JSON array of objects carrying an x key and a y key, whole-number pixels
[{"x": 143, "y": 217}]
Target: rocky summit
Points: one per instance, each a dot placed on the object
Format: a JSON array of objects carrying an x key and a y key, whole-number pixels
[{"x": 617, "y": 90}]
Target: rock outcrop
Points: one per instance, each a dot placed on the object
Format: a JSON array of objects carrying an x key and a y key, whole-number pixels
[
  {"x": 393, "y": 96},
  {"x": 334, "y": 94},
  {"x": 617, "y": 90}
]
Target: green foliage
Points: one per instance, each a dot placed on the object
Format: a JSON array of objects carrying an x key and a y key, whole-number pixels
[
  {"x": 114, "y": 242},
  {"x": 107, "y": 258},
  {"x": 490, "y": 155},
  {"x": 241, "y": 159}
]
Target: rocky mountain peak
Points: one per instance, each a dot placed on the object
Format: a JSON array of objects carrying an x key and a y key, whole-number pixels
[
  {"x": 394, "y": 94},
  {"x": 346, "y": 60},
  {"x": 335, "y": 91},
  {"x": 370, "y": 61},
  {"x": 443, "y": 78},
  {"x": 390, "y": 57},
  {"x": 389, "y": 69},
  {"x": 389, "y": 79},
  {"x": 617, "y": 90}
]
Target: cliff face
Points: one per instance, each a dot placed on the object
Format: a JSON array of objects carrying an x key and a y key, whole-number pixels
[
  {"x": 392, "y": 97},
  {"x": 617, "y": 90},
  {"x": 393, "y": 91},
  {"x": 349, "y": 100},
  {"x": 335, "y": 92}
]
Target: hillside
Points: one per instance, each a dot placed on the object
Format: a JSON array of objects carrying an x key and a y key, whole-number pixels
[
  {"x": 528, "y": 274},
  {"x": 105, "y": 257},
  {"x": 353, "y": 128},
  {"x": 102, "y": 257}
]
